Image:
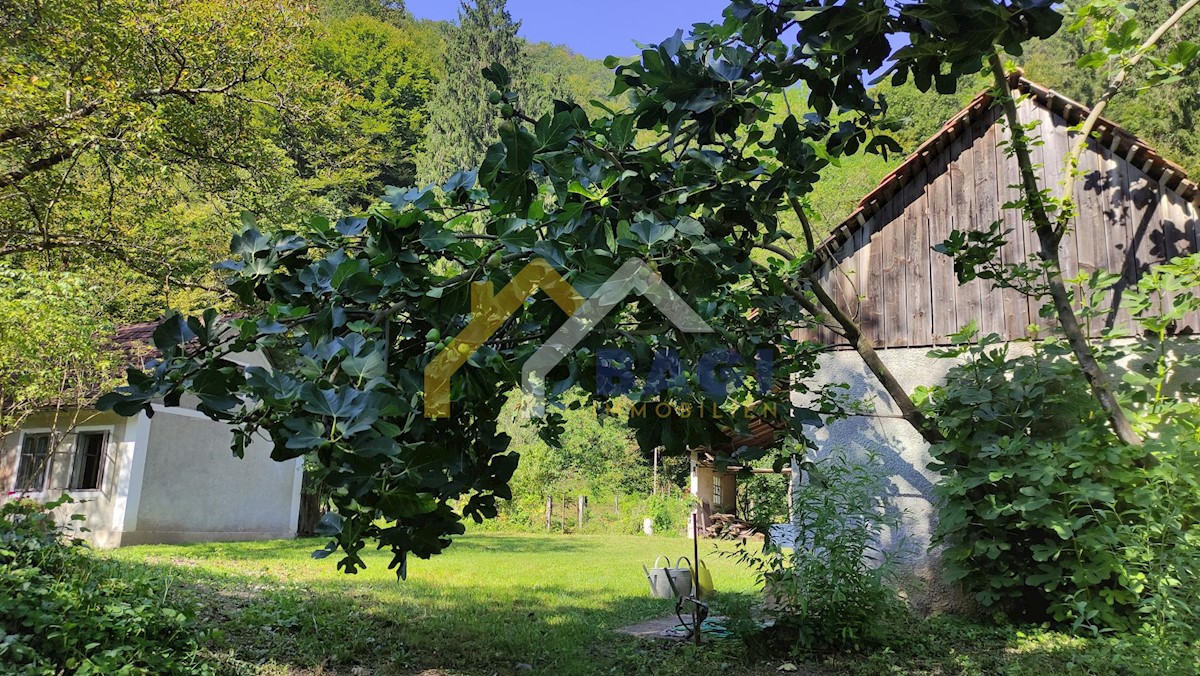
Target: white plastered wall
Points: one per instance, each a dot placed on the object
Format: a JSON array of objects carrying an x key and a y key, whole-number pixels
[
  {"x": 194, "y": 489},
  {"x": 104, "y": 509},
  {"x": 169, "y": 478},
  {"x": 902, "y": 451}
]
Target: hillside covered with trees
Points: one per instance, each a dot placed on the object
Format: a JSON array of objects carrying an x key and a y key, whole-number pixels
[{"x": 129, "y": 162}]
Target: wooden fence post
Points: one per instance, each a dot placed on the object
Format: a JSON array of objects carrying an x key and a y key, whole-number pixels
[
  {"x": 562, "y": 515},
  {"x": 582, "y": 507},
  {"x": 549, "y": 511},
  {"x": 655, "y": 484}
]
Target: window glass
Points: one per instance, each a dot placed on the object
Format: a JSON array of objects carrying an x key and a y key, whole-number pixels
[
  {"x": 89, "y": 460},
  {"x": 35, "y": 460}
]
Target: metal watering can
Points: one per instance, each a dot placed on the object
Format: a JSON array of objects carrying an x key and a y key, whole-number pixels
[{"x": 667, "y": 582}]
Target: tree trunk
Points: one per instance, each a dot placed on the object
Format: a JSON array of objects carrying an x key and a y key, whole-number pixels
[
  {"x": 311, "y": 505},
  {"x": 1048, "y": 240},
  {"x": 854, "y": 335}
]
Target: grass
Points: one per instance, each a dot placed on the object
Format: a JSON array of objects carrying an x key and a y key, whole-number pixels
[
  {"x": 489, "y": 603},
  {"x": 501, "y": 604}
]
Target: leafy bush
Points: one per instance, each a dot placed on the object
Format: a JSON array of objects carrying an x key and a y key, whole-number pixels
[
  {"x": 831, "y": 590},
  {"x": 762, "y": 499},
  {"x": 595, "y": 455},
  {"x": 670, "y": 512},
  {"x": 1044, "y": 512},
  {"x": 63, "y": 610}
]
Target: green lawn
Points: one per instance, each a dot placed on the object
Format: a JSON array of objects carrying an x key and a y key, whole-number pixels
[
  {"x": 494, "y": 604},
  {"x": 489, "y": 603}
]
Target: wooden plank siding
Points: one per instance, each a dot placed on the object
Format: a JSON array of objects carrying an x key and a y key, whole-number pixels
[
  {"x": 1015, "y": 307},
  {"x": 894, "y": 296},
  {"x": 906, "y": 295},
  {"x": 942, "y": 281},
  {"x": 1181, "y": 229},
  {"x": 872, "y": 322},
  {"x": 987, "y": 211},
  {"x": 917, "y": 259},
  {"x": 962, "y": 199}
]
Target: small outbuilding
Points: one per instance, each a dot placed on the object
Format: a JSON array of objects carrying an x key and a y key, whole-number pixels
[
  {"x": 1135, "y": 209},
  {"x": 166, "y": 478}
]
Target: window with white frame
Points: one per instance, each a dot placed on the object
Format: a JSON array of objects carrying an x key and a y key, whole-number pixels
[
  {"x": 34, "y": 464},
  {"x": 87, "y": 468}
]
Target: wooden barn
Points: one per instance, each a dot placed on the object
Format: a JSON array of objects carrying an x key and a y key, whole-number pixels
[{"x": 1134, "y": 209}]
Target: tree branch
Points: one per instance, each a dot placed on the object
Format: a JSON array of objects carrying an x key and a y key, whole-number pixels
[
  {"x": 15, "y": 177},
  {"x": 1114, "y": 86},
  {"x": 1048, "y": 239},
  {"x": 32, "y": 128},
  {"x": 862, "y": 345}
]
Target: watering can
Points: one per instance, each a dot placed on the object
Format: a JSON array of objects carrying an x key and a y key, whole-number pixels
[
  {"x": 705, "y": 579},
  {"x": 667, "y": 582}
]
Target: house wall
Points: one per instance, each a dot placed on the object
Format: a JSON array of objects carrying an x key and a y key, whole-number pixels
[
  {"x": 706, "y": 481},
  {"x": 102, "y": 508},
  {"x": 702, "y": 489},
  {"x": 8, "y": 464},
  {"x": 169, "y": 478},
  {"x": 902, "y": 451},
  {"x": 728, "y": 502},
  {"x": 194, "y": 489}
]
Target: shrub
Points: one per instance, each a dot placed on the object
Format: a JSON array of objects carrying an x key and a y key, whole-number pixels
[
  {"x": 63, "y": 610},
  {"x": 831, "y": 590},
  {"x": 762, "y": 499},
  {"x": 1044, "y": 512}
]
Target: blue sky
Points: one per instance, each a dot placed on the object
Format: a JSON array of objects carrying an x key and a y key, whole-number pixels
[{"x": 594, "y": 29}]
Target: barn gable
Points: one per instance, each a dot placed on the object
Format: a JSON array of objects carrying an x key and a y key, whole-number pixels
[{"x": 1134, "y": 209}]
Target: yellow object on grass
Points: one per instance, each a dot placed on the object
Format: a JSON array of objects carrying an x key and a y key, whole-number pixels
[{"x": 705, "y": 580}]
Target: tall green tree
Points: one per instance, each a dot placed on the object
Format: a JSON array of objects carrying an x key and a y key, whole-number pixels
[
  {"x": 100, "y": 93},
  {"x": 132, "y": 133},
  {"x": 53, "y": 352},
  {"x": 390, "y": 11},
  {"x": 555, "y": 73},
  {"x": 597, "y": 454},
  {"x": 462, "y": 122},
  {"x": 391, "y": 75}
]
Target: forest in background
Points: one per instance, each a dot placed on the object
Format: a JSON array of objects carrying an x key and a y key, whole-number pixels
[
  {"x": 130, "y": 146},
  {"x": 131, "y": 141}
]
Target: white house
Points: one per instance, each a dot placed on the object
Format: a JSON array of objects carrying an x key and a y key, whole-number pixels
[{"x": 169, "y": 478}]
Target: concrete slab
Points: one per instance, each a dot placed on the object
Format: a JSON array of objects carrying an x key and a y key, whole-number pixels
[{"x": 669, "y": 629}]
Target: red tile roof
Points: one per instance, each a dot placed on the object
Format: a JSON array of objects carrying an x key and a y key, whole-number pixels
[{"x": 134, "y": 341}]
